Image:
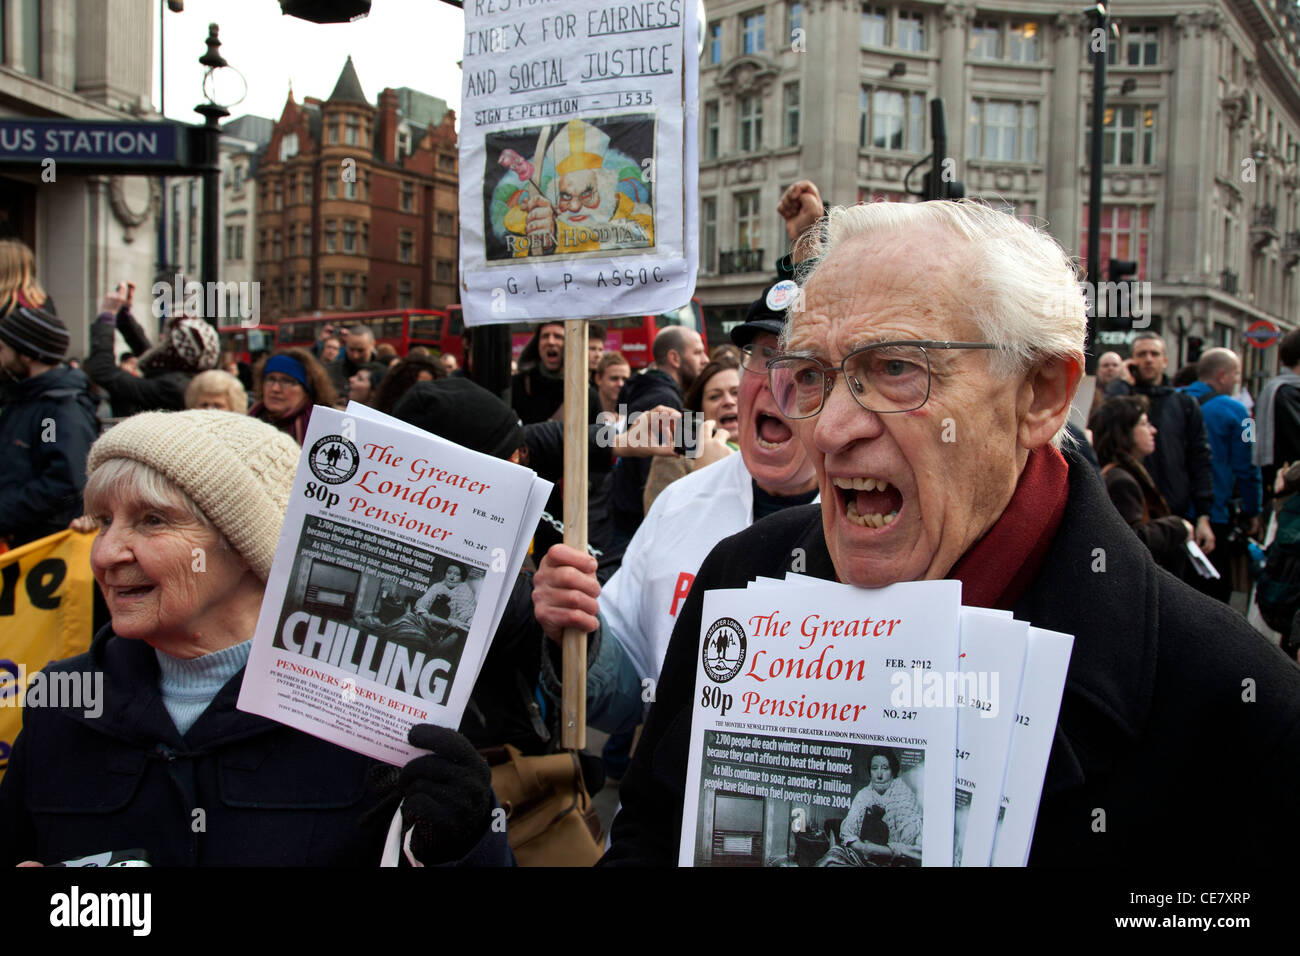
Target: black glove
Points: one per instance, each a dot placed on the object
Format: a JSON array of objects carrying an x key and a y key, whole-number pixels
[{"x": 446, "y": 795}]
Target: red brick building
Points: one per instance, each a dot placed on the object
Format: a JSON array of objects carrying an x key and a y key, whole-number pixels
[{"x": 357, "y": 204}]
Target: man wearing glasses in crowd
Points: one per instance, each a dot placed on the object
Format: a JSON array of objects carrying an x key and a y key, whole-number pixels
[{"x": 929, "y": 371}]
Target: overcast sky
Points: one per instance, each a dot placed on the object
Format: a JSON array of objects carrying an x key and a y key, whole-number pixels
[{"x": 413, "y": 43}]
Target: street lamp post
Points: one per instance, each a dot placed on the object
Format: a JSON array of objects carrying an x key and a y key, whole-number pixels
[
  {"x": 212, "y": 113},
  {"x": 1100, "y": 21}
]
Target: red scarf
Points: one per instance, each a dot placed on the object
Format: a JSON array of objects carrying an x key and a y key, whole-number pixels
[{"x": 998, "y": 567}]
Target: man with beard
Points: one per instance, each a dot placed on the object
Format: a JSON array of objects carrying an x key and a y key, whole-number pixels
[
  {"x": 47, "y": 428},
  {"x": 537, "y": 389},
  {"x": 679, "y": 356}
]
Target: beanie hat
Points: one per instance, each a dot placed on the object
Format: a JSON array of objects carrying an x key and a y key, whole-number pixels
[
  {"x": 186, "y": 345},
  {"x": 35, "y": 333},
  {"x": 238, "y": 470},
  {"x": 462, "y": 412},
  {"x": 288, "y": 365}
]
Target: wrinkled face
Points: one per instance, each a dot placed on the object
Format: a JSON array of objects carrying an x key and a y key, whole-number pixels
[
  {"x": 1108, "y": 367},
  {"x": 774, "y": 457},
  {"x": 1144, "y": 437},
  {"x": 359, "y": 386},
  {"x": 595, "y": 349},
  {"x": 694, "y": 357},
  {"x": 1149, "y": 354},
  {"x": 217, "y": 401},
  {"x": 578, "y": 194},
  {"x": 282, "y": 394},
  {"x": 881, "y": 773},
  {"x": 359, "y": 348},
  {"x": 720, "y": 400},
  {"x": 329, "y": 350},
  {"x": 610, "y": 382},
  {"x": 904, "y": 495},
  {"x": 453, "y": 576},
  {"x": 550, "y": 346},
  {"x": 166, "y": 578}
]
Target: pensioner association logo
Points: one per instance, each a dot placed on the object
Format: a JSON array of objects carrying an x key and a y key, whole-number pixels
[
  {"x": 333, "y": 459},
  {"x": 724, "y": 649}
]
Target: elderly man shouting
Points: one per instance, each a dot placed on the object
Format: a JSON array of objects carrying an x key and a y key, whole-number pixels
[{"x": 929, "y": 372}]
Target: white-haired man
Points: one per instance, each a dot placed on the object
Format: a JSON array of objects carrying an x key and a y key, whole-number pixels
[{"x": 961, "y": 384}]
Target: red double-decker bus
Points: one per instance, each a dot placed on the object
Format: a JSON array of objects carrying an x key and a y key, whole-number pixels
[
  {"x": 634, "y": 336},
  {"x": 435, "y": 329},
  {"x": 244, "y": 340}
]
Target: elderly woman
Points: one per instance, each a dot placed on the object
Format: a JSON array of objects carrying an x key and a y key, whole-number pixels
[
  {"x": 190, "y": 506},
  {"x": 936, "y": 351},
  {"x": 292, "y": 383},
  {"x": 217, "y": 390},
  {"x": 883, "y": 827}
]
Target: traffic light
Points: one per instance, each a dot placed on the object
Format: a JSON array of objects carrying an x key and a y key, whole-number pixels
[
  {"x": 1194, "y": 345},
  {"x": 1119, "y": 270}
]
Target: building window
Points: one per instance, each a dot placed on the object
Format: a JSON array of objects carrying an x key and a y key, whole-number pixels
[
  {"x": 446, "y": 163},
  {"x": 1141, "y": 47},
  {"x": 332, "y": 188},
  {"x": 237, "y": 177},
  {"x": 306, "y": 291},
  {"x": 404, "y": 142},
  {"x": 405, "y": 246},
  {"x": 365, "y": 239},
  {"x": 875, "y": 24},
  {"x": 1003, "y": 131},
  {"x": 408, "y": 196},
  {"x": 1125, "y": 232},
  {"x": 29, "y": 47},
  {"x": 754, "y": 32},
  {"x": 890, "y": 119},
  {"x": 230, "y": 242},
  {"x": 291, "y": 291},
  {"x": 293, "y": 187},
  {"x": 327, "y": 290},
  {"x": 1129, "y": 138},
  {"x": 713, "y": 50},
  {"x": 279, "y": 197},
  {"x": 332, "y": 133},
  {"x": 711, "y": 130},
  {"x": 446, "y": 224},
  {"x": 747, "y": 220},
  {"x": 349, "y": 236},
  {"x": 751, "y": 123},
  {"x": 275, "y": 246},
  {"x": 365, "y": 185},
  {"x": 331, "y": 235},
  {"x": 985, "y": 41},
  {"x": 909, "y": 31},
  {"x": 349, "y": 189},
  {"x": 306, "y": 188},
  {"x": 292, "y": 245},
  {"x": 793, "y": 20},
  {"x": 443, "y": 271},
  {"x": 1022, "y": 43},
  {"x": 349, "y": 297},
  {"x": 261, "y": 248},
  {"x": 352, "y": 130},
  {"x": 708, "y": 235},
  {"x": 306, "y": 239},
  {"x": 238, "y": 252},
  {"x": 791, "y": 132},
  {"x": 404, "y": 296}
]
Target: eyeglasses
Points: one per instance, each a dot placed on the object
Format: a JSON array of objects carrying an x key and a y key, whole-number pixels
[
  {"x": 885, "y": 377},
  {"x": 754, "y": 359},
  {"x": 282, "y": 381}
]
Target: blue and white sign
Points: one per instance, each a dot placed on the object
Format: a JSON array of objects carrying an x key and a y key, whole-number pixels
[{"x": 92, "y": 142}]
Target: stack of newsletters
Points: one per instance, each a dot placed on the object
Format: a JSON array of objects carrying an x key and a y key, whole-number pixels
[
  {"x": 838, "y": 726},
  {"x": 394, "y": 567}
]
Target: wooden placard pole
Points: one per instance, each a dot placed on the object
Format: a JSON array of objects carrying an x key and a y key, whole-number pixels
[{"x": 573, "y": 706}]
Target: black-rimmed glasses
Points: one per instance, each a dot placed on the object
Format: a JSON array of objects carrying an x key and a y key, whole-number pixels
[
  {"x": 884, "y": 377},
  {"x": 755, "y": 359}
]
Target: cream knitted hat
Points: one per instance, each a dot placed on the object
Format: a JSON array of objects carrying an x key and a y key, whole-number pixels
[{"x": 237, "y": 469}]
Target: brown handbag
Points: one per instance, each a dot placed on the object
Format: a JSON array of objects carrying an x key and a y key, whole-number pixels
[{"x": 550, "y": 819}]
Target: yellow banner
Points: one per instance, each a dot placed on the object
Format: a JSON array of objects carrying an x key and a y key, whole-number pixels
[{"x": 46, "y": 610}]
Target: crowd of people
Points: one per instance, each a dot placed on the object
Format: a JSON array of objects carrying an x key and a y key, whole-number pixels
[{"x": 794, "y": 441}]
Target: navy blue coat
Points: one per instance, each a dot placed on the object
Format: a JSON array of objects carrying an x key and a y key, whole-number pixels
[
  {"x": 126, "y": 778},
  {"x": 46, "y": 429}
]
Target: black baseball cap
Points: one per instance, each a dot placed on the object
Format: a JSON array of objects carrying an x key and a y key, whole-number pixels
[{"x": 766, "y": 313}]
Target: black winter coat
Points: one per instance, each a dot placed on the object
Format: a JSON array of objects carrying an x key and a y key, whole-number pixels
[
  {"x": 1175, "y": 710},
  {"x": 46, "y": 429},
  {"x": 158, "y": 390},
  {"x": 1182, "y": 465},
  {"x": 1164, "y": 537},
  {"x": 126, "y": 778}
]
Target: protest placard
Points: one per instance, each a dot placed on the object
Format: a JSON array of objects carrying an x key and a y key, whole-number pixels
[{"x": 578, "y": 159}]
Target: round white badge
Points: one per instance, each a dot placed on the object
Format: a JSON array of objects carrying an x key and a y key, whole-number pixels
[{"x": 781, "y": 295}]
